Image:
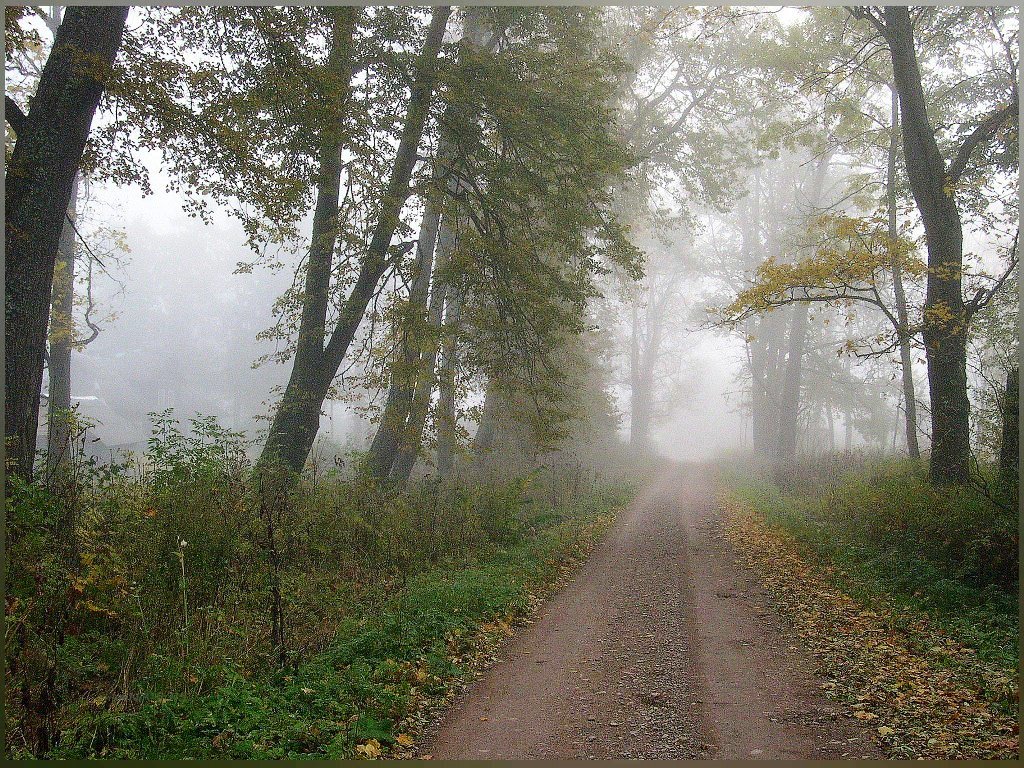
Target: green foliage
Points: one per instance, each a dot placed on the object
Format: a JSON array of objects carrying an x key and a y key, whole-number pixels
[
  {"x": 951, "y": 552},
  {"x": 139, "y": 625}
]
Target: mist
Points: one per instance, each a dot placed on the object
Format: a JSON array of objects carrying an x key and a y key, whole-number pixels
[{"x": 511, "y": 382}]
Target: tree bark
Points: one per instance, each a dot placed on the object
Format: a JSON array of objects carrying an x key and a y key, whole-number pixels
[
  {"x": 297, "y": 420},
  {"x": 58, "y": 406},
  {"x": 789, "y": 412},
  {"x": 902, "y": 316},
  {"x": 945, "y": 327},
  {"x": 447, "y": 424},
  {"x": 1009, "y": 451},
  {"x": 39, "y": 181}
]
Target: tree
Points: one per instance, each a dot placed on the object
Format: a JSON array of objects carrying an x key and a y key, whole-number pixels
[
  {"x": 1009, "y": 448},
  {"x": 297, "y": 418},
  {"x": 526, "y": 225},
  {"x": 40, "y": 176},
  {"x": 934, "y": 182},
  {"x": 397, "y": 441},
  {"x": 28, "y": 60}
]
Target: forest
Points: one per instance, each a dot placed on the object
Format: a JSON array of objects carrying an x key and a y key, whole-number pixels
[{"x": 472, "y": 382}]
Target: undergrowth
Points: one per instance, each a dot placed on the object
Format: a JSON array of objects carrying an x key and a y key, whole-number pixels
[
  {"x": 164, "y": 608},
  {"x": 889, "y": 536}
]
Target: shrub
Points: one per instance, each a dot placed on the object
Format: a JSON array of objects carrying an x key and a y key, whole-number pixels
[{"x": 160, "y": 579}]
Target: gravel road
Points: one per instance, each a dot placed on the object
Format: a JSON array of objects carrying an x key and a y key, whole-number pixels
[{"x": 661, "y": 646}]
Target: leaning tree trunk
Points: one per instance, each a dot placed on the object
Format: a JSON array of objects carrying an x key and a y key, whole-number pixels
[
  {"x": 945, "y": 327},
  {"x": 902, "y": 316},
  {"x": 297, "y": 420},
  {"x": 447, "y": 419},
  {"x": 39, "y": 179},
  {"x": 62, "y": 333},
  {"x": 427, "y": 376},
  {"x": 421, "y": 388},
  {"x": 405, "y": 370},
  {"x": 298, "y": 416}
]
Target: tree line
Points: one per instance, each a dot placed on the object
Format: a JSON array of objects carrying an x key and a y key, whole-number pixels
[{"x": 476, "y": 180}]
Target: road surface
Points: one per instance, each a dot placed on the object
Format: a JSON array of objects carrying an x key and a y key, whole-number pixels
[{"x": 661, "y": 646}]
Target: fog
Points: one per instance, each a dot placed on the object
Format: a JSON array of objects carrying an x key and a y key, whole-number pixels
[{"x": 182, "y": 323}]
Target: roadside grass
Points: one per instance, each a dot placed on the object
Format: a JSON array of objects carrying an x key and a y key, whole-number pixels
[
  {"x": 141, "y": 601},
  {"x": 907, "y": 596},
  {"x": 888, "y": 534},
  {"x": 387, "y": 659}
]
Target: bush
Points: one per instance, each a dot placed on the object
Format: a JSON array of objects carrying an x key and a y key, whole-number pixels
[{"x": 169, "y": 577}]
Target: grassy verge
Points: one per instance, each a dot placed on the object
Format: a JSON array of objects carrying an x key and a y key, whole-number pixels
[
  {"x": 401, "y": 644},
  {"x": 905, "y": 595}
]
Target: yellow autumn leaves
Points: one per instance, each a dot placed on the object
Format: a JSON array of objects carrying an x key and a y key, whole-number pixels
[
  {"x": 850, "y": 258},
  {"x": 928, "y": 695}
]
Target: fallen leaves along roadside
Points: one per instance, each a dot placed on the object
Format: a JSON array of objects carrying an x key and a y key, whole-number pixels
[{"x": 925, "y": 695}]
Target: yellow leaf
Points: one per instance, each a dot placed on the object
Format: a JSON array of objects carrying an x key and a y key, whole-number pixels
[
  {"x": 405, "y": 740},
  {"x": 370, "y": 750},
  {"x": 885, "y": 731}
]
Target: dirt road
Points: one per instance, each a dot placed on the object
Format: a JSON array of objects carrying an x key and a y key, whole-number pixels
[{"x": 661, "y": 646}]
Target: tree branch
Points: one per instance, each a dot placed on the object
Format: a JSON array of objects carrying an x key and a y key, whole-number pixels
[
  {"x": 14, "y": 115},
  {"x": 863, "y": 12},
  {"x": 981, "y": 135},
  {"x": 984, "y": 296}
]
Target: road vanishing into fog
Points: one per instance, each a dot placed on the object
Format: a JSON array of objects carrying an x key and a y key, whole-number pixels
[{"x": 660, "y": 646}]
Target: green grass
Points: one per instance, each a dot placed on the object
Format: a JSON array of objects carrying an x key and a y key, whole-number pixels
[
  {"x": 394, "y": 649},
  {"x": 892, "y": 539}
]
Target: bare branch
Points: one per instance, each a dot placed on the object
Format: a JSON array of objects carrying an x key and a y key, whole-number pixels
[
  {"x": 984, "y": 296},
  {"x": 14, "y": 115}
]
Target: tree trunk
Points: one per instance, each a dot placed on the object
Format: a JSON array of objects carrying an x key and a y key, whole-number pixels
[
  {"x": 639, "y": 390},
  {"x": 1009, "y": 451},
  {"x": 831, "y": 425},
  {"x": 447, "y": 432},
  {"x": 62, "y": 332},
  {"x": 408, "y": 449},
  {"x": 945, "y": 328},
  {"x": 902, "y": 316},
  {"x": 298, "y": 417},
  {"x": 404, "y": 371},
  {"x": 847, "y": 412},
  {"x": 427, "y": 375},
  {"x": 39, "y": 180},
  {"x": 761, "y": 404},
  {"x": 789, "y": 411},
  {"x": 789, "y": 394}
]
